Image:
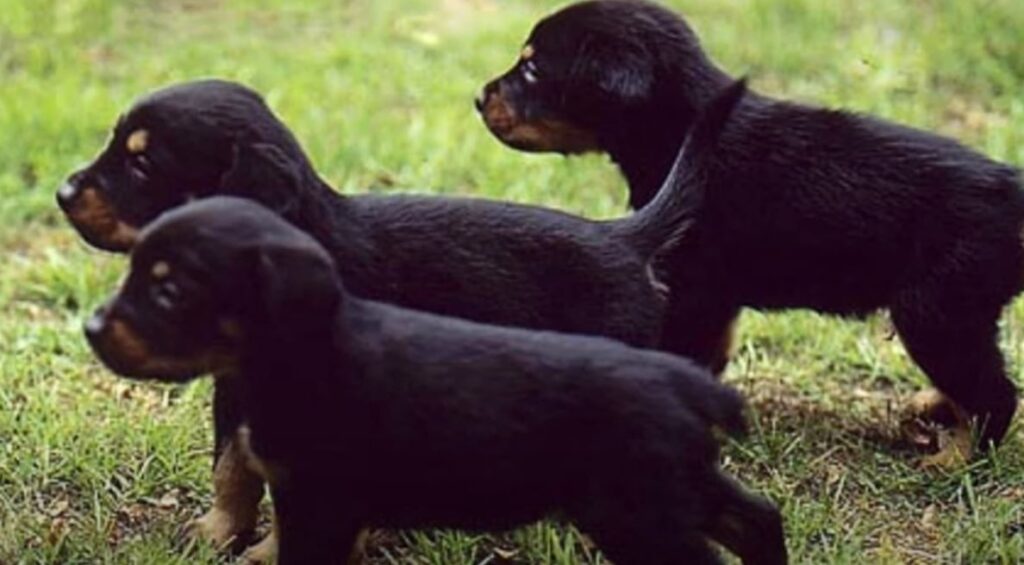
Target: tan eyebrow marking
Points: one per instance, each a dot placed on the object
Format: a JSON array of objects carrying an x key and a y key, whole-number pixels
[
  {"x": 160, "y": 269},
  {"x": 137, "y": 141},
  {"x": 527, "y": 52}
]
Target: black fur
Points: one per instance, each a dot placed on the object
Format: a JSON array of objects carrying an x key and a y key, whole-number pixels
[
  {"x": 806, "y": 208},
  {"x": 372, "y": 415},
  {"x": 476, "y": 259},
  {"x": 480, "y": 260}
]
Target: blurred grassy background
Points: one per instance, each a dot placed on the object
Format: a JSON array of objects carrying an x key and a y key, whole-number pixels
[{"x": 94, "y": 469}]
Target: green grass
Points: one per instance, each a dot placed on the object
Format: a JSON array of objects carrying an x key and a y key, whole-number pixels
[{"x": 98, "y": 470}]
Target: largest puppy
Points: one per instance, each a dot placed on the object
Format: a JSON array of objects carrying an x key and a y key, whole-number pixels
[
  {"x": 805, "y": 208},
  {"x": 484, "y": 261}
]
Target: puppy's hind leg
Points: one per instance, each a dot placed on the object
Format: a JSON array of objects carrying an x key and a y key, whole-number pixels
[
  {"x": 644, "y": 532},
  {"x": 748, "y": 526},
  {"x": 699, "y": 328},
  {"x": 959, "y": 353}
]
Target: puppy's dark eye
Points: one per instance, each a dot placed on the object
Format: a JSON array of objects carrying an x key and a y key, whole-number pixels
[
  {"x": 530, "y": 71},
  {"x": 140, "y": 166},
  {"x": 166, "y": 295}
]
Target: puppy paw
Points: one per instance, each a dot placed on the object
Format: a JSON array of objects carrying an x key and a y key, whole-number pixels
[
  {"x": 220, "y": 529},
  {"x": 956, "y": 448},
  {"x": 263, "y": 553},
  {"x": 931, "y": 405}
]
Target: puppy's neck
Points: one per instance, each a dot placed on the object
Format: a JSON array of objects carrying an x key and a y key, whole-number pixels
[
  {"x": 334, "y": 221},
  {"x": 302, "y": 346},
  {"x": 645, "y": 145},
  {"x": 297, "y": 378}
]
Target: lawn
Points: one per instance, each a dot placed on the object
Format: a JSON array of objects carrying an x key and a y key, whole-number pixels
[{"x": 94, "y": 469}]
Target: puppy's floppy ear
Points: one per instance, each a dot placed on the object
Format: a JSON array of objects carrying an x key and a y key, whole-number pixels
[
  {"x": 624, "y": 72},
  {"x": 264, "y": 173},
  {"x": 296, "y": 287}
]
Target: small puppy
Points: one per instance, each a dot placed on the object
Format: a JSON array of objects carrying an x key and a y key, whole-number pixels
[
  {"x": 806, "y": 208},
  {"x": 364, "y": 414},
  {"x": 480, "y": 260}
]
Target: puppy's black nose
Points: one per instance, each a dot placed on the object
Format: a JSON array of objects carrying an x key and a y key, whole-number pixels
[{"x": 66, "y": 195}]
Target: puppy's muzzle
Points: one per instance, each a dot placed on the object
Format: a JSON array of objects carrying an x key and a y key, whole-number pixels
[
  {"x": 505, "y": 117},
  {"x": 116, "y": 343},
  {"x": 90, "y": 211},
  {"x": 497, "y": 113}
]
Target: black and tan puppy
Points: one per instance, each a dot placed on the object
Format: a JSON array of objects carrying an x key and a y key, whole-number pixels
[
  {"x": 475, "y": 259},
  {"x": 364, "y": 414},
  {"x": 806, "y": 208}
]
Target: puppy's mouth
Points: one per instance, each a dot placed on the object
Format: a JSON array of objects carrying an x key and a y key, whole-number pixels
[
  {"x": 126, "y": 353},
  {"x": 95, "y": 218},
  {"x": 540, "y": 135}
]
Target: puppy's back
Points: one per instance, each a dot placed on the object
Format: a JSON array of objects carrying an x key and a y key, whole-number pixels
[{"x": 494, "y": 363}]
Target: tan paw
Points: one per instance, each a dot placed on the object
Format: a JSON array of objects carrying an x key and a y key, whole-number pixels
[
  {"x": 932, "y": 406},
  {"x": 264, "y": 552},
  {"x": 956, "y": 448},
  {"x": 220, "y": 529}
]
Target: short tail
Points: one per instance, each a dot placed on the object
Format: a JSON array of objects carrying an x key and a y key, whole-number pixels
[
  {"x": 716, "y": 404},
  {"x": 666, "y": 219}
]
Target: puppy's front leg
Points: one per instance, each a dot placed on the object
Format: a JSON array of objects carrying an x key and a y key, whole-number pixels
[
  {"x": 237, "y": 489},
  {"x": 311, "y": 529},
  {"x": 236, "y": 496}
]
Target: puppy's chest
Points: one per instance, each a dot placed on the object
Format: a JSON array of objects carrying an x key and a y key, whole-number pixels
[{"x": 281, "y": 456}]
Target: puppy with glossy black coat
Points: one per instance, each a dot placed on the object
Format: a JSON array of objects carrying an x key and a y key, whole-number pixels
[
  {"x": 806, "y": 208},
  {"x": 481, "y": 260},
  {"x": 364, "y": 414}
]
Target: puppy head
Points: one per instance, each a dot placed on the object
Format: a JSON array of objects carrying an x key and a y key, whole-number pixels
[
  {"x": 172, "y": 146},
  {"x": 207, "y": 281},
  {"x": 580, "y": 68}
]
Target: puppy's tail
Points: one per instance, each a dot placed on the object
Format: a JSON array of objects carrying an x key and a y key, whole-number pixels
[
  {"x": 716, "y": 404},
  {"x": 666, "y": 219}
]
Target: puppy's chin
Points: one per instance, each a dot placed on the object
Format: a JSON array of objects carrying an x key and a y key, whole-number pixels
[
  {"x": 120, "y": 239},
  {"x": 547, "y": 136},
  {"x": 167, "y": 371},
  {"x": 145, "y": 369},
  {"x": 125, "y": 353},
  {"x": 98, "y": 222}
]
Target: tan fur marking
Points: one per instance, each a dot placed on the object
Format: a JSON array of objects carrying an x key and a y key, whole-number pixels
[
  {"x": 538, "y": 135},
  {"x": 131, "y": 350},
  {"x": 237, "y": 492},
  {"x": 93, "y": 214},
  {"x": 926, "y": 402},
  {"x": 160, "y": 269},
  {"x": 264, "y": 552},
  {"x": 133, "y": 355},
  {"x": 498, "y": 114},
  {"x": 955, "y": 444},
  {"x": 527, "y": 52},
  {"x": 220, "y": 364},
  {"x": 551, "y": 135},
  {"x": 956, "y": 448},
  {"x": 266, "y": 469},
  {"x": 359, "y": 549},
  {"x": 137, "y": 141}
]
